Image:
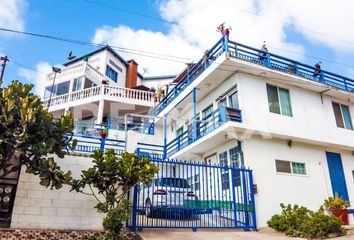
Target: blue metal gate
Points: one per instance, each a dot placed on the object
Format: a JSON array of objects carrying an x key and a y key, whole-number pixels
[
  {"x": 336, "y": 174},
  {"x": 194, "y": 195}
]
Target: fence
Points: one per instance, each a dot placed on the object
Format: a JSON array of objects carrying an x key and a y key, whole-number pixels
[{"x": 194, "y": 195}]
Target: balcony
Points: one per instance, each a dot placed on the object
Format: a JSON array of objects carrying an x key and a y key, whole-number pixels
[
  {"x": 207, "y": 125},
  {"x": 78, "y": 70},
  {"x": 279, "y": 64},
  {"x": 106, "y": 92},
  {"x": 91, "y": 129}
]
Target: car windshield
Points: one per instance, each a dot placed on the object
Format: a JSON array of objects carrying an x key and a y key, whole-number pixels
[{"x": 172, "y": 182}]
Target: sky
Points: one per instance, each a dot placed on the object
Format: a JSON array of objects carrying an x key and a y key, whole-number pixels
[{"x": 163, "y": 35}]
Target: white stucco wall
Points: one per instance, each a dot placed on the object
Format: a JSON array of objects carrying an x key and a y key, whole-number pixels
[
  {"x": 39, "y": 207},
  {"x": 274, "y": 188}
]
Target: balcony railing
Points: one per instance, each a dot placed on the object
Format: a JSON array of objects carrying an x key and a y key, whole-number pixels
[
  {"x": 207, "y": 125},
  {"x": 151, "y": 151},
  {"x": 114, "y": 93},
  {"x": 88, "y": 144},
  {"x": 87, "y": 128},
  {"x": 257, "y": 56}
]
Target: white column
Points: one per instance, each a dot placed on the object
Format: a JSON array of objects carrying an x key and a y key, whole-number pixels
[{"x": 100, "y": 111}]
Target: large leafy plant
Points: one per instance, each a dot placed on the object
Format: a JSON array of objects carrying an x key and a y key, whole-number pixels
[
  {"x": 28, "y": 134},
  {"x": 109, "y": 180},
  {"x": 335, "y": 203},
  {"x": 298, "y": 221}
]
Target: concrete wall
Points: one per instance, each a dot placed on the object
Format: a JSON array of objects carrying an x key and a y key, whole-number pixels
[
  {"x": 39, "y": 207},
  {"x": 274, "y": 188}
]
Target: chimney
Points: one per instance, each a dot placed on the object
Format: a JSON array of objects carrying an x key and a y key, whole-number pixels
[{"x": 132, "y": 74}]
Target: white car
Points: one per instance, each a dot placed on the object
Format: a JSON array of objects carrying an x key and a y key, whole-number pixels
[{"x": 169, "y": 194}]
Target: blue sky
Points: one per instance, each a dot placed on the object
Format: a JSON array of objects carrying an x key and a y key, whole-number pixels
[{"x": 321, "y": 34}]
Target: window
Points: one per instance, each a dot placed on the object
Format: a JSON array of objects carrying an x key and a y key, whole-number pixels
[
  {"x": 77, "y": 84},
  {"x": 111, "y": 73},
  {"x": 290, "y": 167},
  {"x": 207, "y": 111},
  {"x": 342, "y": 115},
  {"x": 179, "y": 131},
  {"x": 279, "y": 100},
  {"x": 233, "y": 100},
  {"x": 225, "y": 181},
  {"x": 63, "y": 88},
  {"x": 235, "y": 162},
  {"x": 194, "y": 182}
]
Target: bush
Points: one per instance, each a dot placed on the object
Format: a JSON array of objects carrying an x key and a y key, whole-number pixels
[{"x": 300, "y": 222}]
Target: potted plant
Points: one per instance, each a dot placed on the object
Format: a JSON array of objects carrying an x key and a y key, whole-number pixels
[
  {"x": 104, "y": 133},
  {"x": 338, "y": 208},
  {"x": 104, "y": 81}
]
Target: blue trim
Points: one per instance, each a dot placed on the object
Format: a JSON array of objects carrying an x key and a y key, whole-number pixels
[{"x": 164, "y": 136}]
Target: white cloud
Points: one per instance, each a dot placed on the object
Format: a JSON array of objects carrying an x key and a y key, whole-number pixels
[
  {"x": 11, "y": 12},
  {"x": 197, "y": 21},
  {"x": 36, "y": 77}
]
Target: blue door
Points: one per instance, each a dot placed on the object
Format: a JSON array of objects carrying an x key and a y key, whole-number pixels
[{"x": 336, "y": 175}]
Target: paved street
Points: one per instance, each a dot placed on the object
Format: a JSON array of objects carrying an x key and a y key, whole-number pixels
[{"x": 263, "y": 234}]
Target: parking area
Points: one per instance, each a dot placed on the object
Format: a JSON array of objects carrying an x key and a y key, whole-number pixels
[{"x": 262, "y": 234}]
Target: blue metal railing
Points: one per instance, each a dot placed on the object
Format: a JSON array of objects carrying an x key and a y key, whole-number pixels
[
  {"x": 257, "y": 56},
  {"x": 92, "y": 129},
  {"x": 289, "y": 66},
  {"x": 151, "y": 151},
  {"x": 208, "y": 124},
  {"x": 191, "y": 74},
  {"x": 88, "y": 144}
]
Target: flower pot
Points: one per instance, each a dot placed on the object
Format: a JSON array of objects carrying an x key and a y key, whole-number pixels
[
  {"x": 342, "y": 214},
  {"x": 103, "y": 135},
  {"x": 104, "y": 82}
]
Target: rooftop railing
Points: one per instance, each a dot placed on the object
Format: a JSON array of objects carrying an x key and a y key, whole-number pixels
[{"x": 257, "y": 56}]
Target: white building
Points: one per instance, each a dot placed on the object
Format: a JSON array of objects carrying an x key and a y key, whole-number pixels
[{"x": 237, "y": 107}]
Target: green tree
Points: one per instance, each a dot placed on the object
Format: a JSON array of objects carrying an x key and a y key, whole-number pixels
[
  {"x": 28, "y": 134},
  {"x": 109, "y": 180}
]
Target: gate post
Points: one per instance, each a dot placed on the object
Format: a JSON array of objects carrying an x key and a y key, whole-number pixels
[
  {"x": 254, "y": 221},
  {"x": 135, "y": 203},
  {"x": 245, "y": 199},
  {"x": 233, "y": 186}
]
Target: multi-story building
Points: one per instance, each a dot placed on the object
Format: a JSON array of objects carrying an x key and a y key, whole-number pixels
[{"x": 263, "y": 129}]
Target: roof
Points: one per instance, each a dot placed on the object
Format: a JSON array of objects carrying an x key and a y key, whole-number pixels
[
  {"x": 108, "y": 48},
  {"x": 159, "y": 77},
  {"x": 141, "y": 87}
]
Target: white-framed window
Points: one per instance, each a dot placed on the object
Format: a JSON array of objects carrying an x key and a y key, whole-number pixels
[
  {"x": 77, "y": 84},
  {"x": 279, "y": 100},
  {"x": 225, "y": 179},
  {"x": 342, "y": 116},
  {"x": 229, "y": 99},
  {"x": 194, "y": 182},
  {"x": 179, "y": 131},
  {"x": 289, "y": 167},
  {"x": 111, "y": 73}
]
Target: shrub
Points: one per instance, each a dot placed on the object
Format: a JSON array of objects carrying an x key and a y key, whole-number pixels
[{"x": 298, "y": 221}]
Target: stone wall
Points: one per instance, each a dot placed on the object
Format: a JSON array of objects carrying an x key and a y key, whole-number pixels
[
  {"x": 25, "y": 234},
  {"x": 41, "y": 208}
]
